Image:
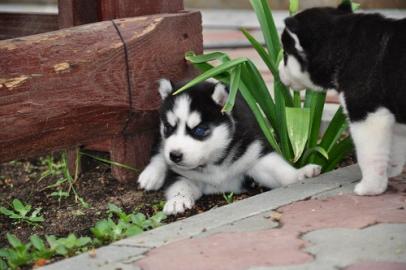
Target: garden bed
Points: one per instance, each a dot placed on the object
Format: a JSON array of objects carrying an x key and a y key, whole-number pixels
[{"x": 22, "y": 180}]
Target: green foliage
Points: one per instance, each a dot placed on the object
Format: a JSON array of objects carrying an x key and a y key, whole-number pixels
[
  {"x": 229, "y": 198},
  {"x": 21, "y": 212},
  {"x": 19, "y": 254},
  {"x": 110, "y": 162},
  {"x": 292, "y": 129},
  {"x": 107, "y": 230},
  {"x": 67, "y": 246},
  {"x": 64, "y": 185}
]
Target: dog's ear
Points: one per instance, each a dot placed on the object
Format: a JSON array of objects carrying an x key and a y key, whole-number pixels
[
  {"x": 220, "y": 94},
  {"x": 345, "y": 6},
  {"x": 292, "y": 24},
  {"x": 165, "y": 88}
]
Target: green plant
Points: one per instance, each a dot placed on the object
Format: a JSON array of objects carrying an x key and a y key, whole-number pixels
[
  {"x": 20, "y": 212},
  {"x": 41, "y": 249},
  {"x": 292, "y": 129},
  {"x": 67, "y": 246},
  {"x": 21, "y": 254},
  {"x": 110, "y": 162},
  {"x": 229, "y": 197},
  {"x": 65, "y": 184},
  {"x": 107, "y": 230},
  {"x": 18, "y": 254}
]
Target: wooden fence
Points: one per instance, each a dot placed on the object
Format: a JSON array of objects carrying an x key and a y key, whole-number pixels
[{"x": 94, "y": 85}]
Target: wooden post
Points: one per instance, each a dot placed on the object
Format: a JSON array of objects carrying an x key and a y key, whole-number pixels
[
  {"x": 115, "y": 9},
  {"x": 77, "y": 12}
]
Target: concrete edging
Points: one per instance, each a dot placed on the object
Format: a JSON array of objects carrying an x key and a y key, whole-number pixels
[{"x": 133, "y": 248}]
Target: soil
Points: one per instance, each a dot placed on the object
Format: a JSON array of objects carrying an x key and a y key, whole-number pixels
[{"x": 22, "y": 180}]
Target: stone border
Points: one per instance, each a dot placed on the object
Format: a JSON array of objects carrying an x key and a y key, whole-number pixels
[{"x": 133, "y": 248}]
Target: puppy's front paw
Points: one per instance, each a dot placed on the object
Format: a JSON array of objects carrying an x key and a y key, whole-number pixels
[
  {"x": 178, "y": 204},
  {"x": 371, "y": 187},
  {"x": 151, "y": 178},
  {"x": 310, "y": 170}
]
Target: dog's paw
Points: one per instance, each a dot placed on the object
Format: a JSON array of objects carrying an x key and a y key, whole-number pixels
[
  {"x": 371, "y": 187},
  {"x": 177, "y": 205},
  {"x": 310, "y": 170},
  {"x": 151, "y": 178}
]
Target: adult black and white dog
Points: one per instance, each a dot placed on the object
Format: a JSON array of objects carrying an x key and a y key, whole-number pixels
[
  {"x": 203, "y": 151},
  {"x": 363, "y": 57}
]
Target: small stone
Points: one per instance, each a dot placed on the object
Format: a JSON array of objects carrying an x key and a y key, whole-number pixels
[{"x": 276, "y": 216}]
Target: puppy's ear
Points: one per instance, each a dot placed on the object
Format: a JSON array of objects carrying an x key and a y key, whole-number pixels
[
  {"x": 165, "y": 88},
  {"x": 220, "y": 94},
  {"x": 345, "y": 6},
  {"x": 292, "y": 24}
]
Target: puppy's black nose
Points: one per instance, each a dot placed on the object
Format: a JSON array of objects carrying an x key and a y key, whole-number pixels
[{"x": 176, "y": 156}]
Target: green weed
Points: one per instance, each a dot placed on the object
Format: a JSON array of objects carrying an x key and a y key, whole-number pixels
[{"x": 21, "y": 212}]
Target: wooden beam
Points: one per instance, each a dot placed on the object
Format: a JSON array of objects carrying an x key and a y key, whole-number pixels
[
  {"x": 113, "y": 9},
  {"x": 77, "y": 12},
  {"x": 18, "y": 24},
  {"x": 69, "y": 87}
]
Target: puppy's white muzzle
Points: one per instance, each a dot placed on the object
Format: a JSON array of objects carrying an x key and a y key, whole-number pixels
[{"x": 287, "y": 79}]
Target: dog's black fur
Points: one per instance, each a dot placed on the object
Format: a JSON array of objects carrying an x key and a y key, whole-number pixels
[{"x": 361, "y": 55}]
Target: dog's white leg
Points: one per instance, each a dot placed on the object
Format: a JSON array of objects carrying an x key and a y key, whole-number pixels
[
  {"x": 181, "y": 196},
  {"x": 153, "y": 176},
  {"x": 372, "y": 138},
  {"x": 273, "y": 171},
  {"x": 397, "y": 156}
]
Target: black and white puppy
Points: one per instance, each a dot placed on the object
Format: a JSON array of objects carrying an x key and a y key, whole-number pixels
[
  {"x": 203, "y": 151},
  {"x": 363, "y": 57}
]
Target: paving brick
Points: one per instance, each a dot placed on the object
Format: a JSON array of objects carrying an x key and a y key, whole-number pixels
[
  {"x": 377, "y": 266},
  {"x": 343, "y": 247},
  {"x": 243, "y": 209}
]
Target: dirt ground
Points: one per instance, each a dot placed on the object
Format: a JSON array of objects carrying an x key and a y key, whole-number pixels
[{"x": 20, "y": 179}]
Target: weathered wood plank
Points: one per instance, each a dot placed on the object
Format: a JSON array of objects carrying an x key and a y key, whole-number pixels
[
  {"x": 113, "y": 9},
  {"x": 69, "y": 87},
  {"x": 16, "y": 24},
  {"x": 77, "y": 12}
]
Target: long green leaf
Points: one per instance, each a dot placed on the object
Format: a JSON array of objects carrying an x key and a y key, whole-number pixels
[
  {"x": 264, "y": 15},
  {"x": 315, "y": 101},
  {"x": 125, "y": 166},
  {"x": 203, "y": 58},
  {"x": 337, "y": 153},
  {"x": 234, "y": 85},
  {"x": 334, "y": 130},
  {"x": 257, "y": 87},
  {"x": 316, "y": 149},
  {"x": 298, "y": 124},
  {"x": 297, "y": 102},
  {"x": 225, "y": 67},
  {"x": 262, "y": 53},
  {"x": 262, "y": 121},
  {"x": 281, "y": 125},
  {"x": 293, "y": 7}
]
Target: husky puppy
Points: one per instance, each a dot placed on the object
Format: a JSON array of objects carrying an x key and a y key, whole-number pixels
[
  {"x": 363, "y": 58},
  {"x": 203, "y": 151}
]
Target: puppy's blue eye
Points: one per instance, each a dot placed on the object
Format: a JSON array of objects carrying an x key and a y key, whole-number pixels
[{"x": 199, "y": 131}]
